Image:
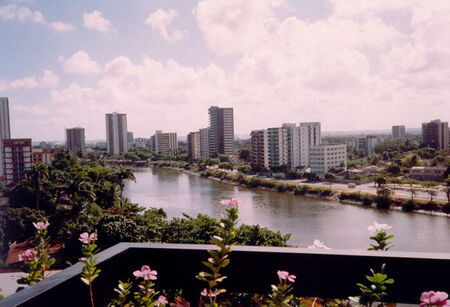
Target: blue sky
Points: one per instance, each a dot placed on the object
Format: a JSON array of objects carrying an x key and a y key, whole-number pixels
[{"x": 352, "y": 65}]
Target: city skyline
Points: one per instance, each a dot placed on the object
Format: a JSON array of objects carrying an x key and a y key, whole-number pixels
[{"x": 380, "y": 64}]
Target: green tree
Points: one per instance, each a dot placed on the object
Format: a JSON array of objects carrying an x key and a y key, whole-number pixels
[
  {"x": 244, "y": 154},
  {"x": 37, "y": 176},
  {"x": 121, "y": 174}
]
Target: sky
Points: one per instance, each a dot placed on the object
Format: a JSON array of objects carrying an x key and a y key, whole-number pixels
[{"x": 350, "y": 64}]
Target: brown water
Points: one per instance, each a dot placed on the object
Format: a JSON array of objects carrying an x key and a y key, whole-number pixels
[{"x": 339, "y": 226}]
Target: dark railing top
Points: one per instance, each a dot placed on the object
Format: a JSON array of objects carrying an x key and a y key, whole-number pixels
[{"x": 321, "y": 273}]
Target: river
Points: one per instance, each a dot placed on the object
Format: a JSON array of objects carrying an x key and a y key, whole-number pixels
[{"x": 339, "y": 226}]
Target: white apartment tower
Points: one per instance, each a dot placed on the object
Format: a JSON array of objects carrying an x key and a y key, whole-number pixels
[
  {"x": 116, "y": 133},
  {"x": 221, "y": 131},
  {"x": 310, "y": 135},
  {"x": 5, "y": 132}
]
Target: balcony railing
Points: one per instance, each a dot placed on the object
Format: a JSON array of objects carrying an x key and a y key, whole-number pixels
[{"x": 320, "y": 273}]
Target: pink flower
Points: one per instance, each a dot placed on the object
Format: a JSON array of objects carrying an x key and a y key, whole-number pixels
[
  {"x": 88, "y": 238},
  {"x": 161, "y": 300},
  {"x": 28, "y": 255},
  {"x": 82, "y": 259},
  {"x": 41, "y": 225},
  {"x": 285, "y": 276},
  {"x": 432, "y": 298},
  {"x": 207, "y": 292},
  {"x": 146, "y": 273},
  {"x": 233, "y": 203}
]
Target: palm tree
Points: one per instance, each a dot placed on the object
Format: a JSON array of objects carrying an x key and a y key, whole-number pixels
[
  {"x": 121, "y": 174},
  {"x": 330, "y": 177},
  {"x": 37, "y": 176}
]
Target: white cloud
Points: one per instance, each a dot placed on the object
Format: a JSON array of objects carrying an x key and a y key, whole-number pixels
[
  {"x": 48, "y": 80},
  {"x": 24, "y": 14},
  {"x": 160, "y": 20},
  {"x": 96, "y": 21},
  {"x": 79, "y": 63},
  {"x": 62, "y": 27},
  {"x": 13, "y": 12}
]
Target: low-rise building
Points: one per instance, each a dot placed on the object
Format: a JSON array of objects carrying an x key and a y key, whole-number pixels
[
  {"x": 17, "y": 159},
  {"x": 423, "y": 173},
  {"x": 324, "y": 157}
]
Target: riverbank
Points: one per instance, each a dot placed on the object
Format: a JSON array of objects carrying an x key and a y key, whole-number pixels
[{"x": 366, "y": 200}]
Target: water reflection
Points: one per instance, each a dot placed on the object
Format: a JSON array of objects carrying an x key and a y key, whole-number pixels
[{"x": 339, "y": 226}]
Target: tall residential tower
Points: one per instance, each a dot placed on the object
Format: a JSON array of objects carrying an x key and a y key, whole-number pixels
[
  {"x": 116, "y": 133},
  {"x": 221, "y": 131},
  {"x": 75, "y": 140},
  {"x": 5, "y": 132}
]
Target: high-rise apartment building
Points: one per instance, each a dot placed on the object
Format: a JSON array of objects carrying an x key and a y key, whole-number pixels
[
  {"x": 221, "y": 131},
  {"x": 164, "y": 142},
  {"x": 204, "y": 143},
  {"x": 435, "y": 134},
  {"x": 398, "y": 132},
  {"x": 278, "y": 147},
  {"x": 75, "y": 140},
  {"x": 293, "y": 144},
  {"x": 366, "y": 144},
  {"x": 5, "y": 132},
  {"x": 116, "y": 133},
  {"x": 310, "y": 135},
  {"x": 193, "y": 142},
  {"x": 325, "y": 157},
  {"x": 259, "y": 153},
  {"x": 17, "y": 159}
]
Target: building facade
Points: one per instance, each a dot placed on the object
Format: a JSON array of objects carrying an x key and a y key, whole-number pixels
[
  {"x": 116, "y": 133},
  {"x": 164, "y": 142},
  {"x": 221, "y": 131},
  {"x": 435, "y": 134},
  {"x": 41, "y": 156},
  {"x": 193, "y": 142},
  {"x": 398, "y": 132},
  {"x": 75, "y": 140},
  {"x": 310, "y": 135},
  {"x": 293, "y": 145},
  {"x": 259, "y": 152},
  {"x": 204, "y": 143},
  {"x": 17, "y": 159},
  {"x": 325, "y": 157},
  {"x": 423, "y": 173},
  {"x": 277, "y": 140},
  {"x": 130, "y": 138},
  {"x": 5, "y": 132}
]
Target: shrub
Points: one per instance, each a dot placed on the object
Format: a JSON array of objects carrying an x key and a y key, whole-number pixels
[
  {"x": 366, "y": 200},
  {"x": 278, "y": 176},
  {"x": 226, "y": 165},
  {"x": 267, "y": 183},
  {"x": 409, "y": 205},
  {"x": 281, "y": 187},
  {"x": 429, "y": 206},
  {"x": 446, "y": 208},
  {"x": 244, "y": 168},
  {"x": 253, "y": 182},
  {"x": 300, "y": 189},
  {"x": 383, "y": 202}
]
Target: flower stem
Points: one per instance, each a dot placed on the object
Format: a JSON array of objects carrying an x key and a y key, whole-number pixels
[{"x": 92, "y": 295}]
